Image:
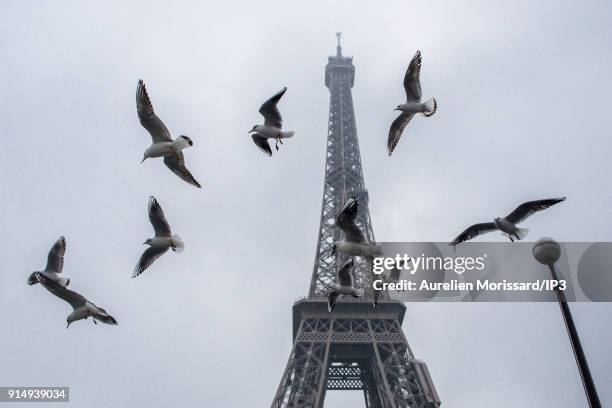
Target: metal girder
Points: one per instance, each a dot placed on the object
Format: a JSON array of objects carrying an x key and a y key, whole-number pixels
[{"x": 333, "y": 351}]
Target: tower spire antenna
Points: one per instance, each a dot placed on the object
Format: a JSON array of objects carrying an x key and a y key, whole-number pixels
[{"x": 339, "y": 47}]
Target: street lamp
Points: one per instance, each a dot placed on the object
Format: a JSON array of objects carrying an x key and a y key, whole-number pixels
[{"x": 547, "y": 251}]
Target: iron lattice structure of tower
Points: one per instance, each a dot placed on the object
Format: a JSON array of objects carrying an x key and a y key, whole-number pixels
[{"x": 356, "y": 346}]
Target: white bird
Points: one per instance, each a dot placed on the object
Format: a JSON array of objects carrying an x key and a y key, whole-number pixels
[
  {"x": 354, "y": 242},
  {"x": 55, "y": 265},
  {"x": 413, "y": 105},
  {"x": 163, "y": 145},
  {"x": 161, "y": 242},
  {"x": 272, "y": 127},
  {"x": 344, "y": 285},
  {"x": 82, "y": 308},
  {"x": 508, "y": 223}
]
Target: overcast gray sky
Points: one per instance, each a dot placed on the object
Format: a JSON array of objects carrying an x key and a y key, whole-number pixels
[{"x": 523, "y": 90}]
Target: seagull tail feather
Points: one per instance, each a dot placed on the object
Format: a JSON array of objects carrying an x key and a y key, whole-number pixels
[
  {"x": 430, "y": 107},
  {"x": 288, "y": 134},
  {"x": 178, "y": 243}
]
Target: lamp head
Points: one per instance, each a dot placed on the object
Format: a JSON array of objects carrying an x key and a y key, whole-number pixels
[{"x": 546, "y": 251}]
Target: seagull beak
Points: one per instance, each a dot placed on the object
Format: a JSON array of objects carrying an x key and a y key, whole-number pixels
[
  {"x": 68, "y": 325},
  {"x": 143, "y": 159},
  {"x": 396, "y": 109},
  {"x": 144, "y": 243},
  {"x": 252, "y": 130}
]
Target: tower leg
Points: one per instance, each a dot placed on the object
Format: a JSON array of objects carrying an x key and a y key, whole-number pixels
[
  {"x": 334, "y": 352},
  {"x": 304, "y": 381}
]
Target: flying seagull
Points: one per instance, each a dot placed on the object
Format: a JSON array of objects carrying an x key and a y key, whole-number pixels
[
  {"x": 272, "y": 127},
  {"x": 354, "y": 243},
  {"x": 163, "y": 145},
  {"x": 344, "y": 285},
  {"x": 161, "y": 242},
  {"x": 508, "y": 223},
  {"x": 55, "y": 264},
  {"x": 413, "y": 105},
  {"x": 82, "y": 308}
]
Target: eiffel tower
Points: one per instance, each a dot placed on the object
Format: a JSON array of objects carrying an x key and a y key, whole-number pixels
[{"x": 356, "y": 346}]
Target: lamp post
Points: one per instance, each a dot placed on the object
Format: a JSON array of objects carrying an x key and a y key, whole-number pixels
[{"x": 547, "y": 251}]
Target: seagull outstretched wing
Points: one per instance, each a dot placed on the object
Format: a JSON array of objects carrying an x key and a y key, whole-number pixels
[
  {"x": 525, "y": 210},
  {"x": 473, "y": 232},
  {"x": 55, "y": 259},
  {"x": 147, "y": 258},
  {"x": 176, "y": 163},
  {"x": 262, "y": 143},
  {"x": 148, "y": 119},
  {"x": 344, "y": 276},
  {"x": 346, "y": 221},
  {"x": 270, "y": 112},
  {"x": 158, "y": 220},
  {"x": 332, "y": 298},
  {"x": 396, "y": 130},
  {"x": 412, "y": 80}
]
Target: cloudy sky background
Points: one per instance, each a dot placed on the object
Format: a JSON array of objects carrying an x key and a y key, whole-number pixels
[{"x": 523, "y": 90}]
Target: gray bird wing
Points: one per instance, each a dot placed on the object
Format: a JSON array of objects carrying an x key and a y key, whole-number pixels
[
  {"x": 473, "y": 232},
  {"x": 55, "y": 259},
  {"x": 332, "y": 298},
  {"x": 344, "y": 277},
  {"x": 376, "y": 294},
  {"x": 147, "y": 258},
  {"x": 396, "y": 130},
  {"x": 525, "y": 210},
  {"x": 105, "y": 318},
  {"x": 412, "y": 80},
  {"x": 346, "y": 221},
  {"x": 75, "y": 299},
  {"x": 394, "y": 275},
  {"x": 176, "y": 163},
  {"x": 148, "y": 119},
  {"x": 268, "y": 109},
  {"x": 158, "y": 220},
  {"x": 262, "y": 143}
]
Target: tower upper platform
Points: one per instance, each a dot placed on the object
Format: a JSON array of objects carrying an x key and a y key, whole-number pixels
[{"x": 339, "y": 69}]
